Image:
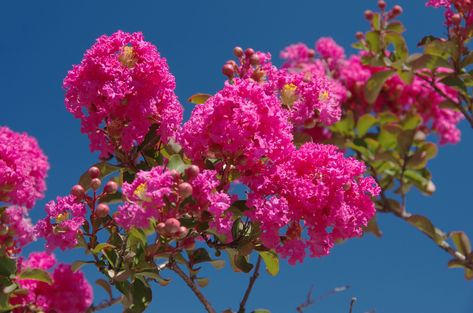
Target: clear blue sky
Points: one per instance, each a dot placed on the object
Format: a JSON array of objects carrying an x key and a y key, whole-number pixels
[{"x": 402, "y": 272}]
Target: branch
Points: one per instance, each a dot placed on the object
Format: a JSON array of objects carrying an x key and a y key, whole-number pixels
[
  {"x": 308, "y": 302},
  {"x": 250, "y": 286},
  {"x": 175, "y": 268},
  {"x": 352, "y": 302},
  {"x": 458, "y": 104},
  {"x": 103, "y": 305}
]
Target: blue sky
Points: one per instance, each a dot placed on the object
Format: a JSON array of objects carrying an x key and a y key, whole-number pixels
[{"x": 402, "y": 272}]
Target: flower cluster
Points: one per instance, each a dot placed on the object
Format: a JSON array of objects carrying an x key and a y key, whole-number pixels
[
  {"x": 23, "y": 168},
  {"x": 69, "y": 291},
  {"x": 397, "y": 96},
  {"x": 241, "y": 124},
  {"x": 61, "y": 227},
  {"x": 121, "y": 88},
  {"x": 318, "y": 191},
  {"x": 16, "y": 230}
]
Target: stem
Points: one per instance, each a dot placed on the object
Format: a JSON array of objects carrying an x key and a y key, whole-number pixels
[
  {"x": 175, "y": 268},
  {"x": 103, "y": 305},
  {"x": 352, "y": 302},
  {"x": 253, "y": 279}
]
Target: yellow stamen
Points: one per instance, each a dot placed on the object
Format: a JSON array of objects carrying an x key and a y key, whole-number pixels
[
  {"x": 324, "y": 95},
  {"x": 140, "y": 192},
  {"x": 127, "y": 58},
  {"x": 62, "y": 217},
  {"x": 288, "y": 95}
]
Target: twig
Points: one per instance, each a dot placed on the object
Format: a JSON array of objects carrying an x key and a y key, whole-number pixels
[
  {"x": 103, "y": 305},
  {"x": 175, "y": 268},
  {"x": 253, "y": 279},
  {"x": 308, "y": 302},
  {"x": 352, "y": 302}
]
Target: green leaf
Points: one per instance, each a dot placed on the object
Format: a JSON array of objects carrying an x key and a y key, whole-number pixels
[
  {"x": 375, "y": 83},
  {"x": 35, "y": 274},
  {"x": 202, "y": 282},
  {"x": 461, "y": 241},
  {"x": 218, "y": 264},
  {"x": 467, "y": 60},
  {"x": 271, "y": 261},
  {"x": 7, "y": 266},
  {"x": 345, "y": 126},
  {"x": 454, "y": 81},
  {"x": 101, "y": 246},
  {"x": 396, "y": 26},
  {"x": 199, "y": 256},
  {"x": 373, "y": 228},
  {"x": 376, "y": 21},
  {"x": 261, "y": 311},
  {"x": 428, "y": 61},
  {"x": 9, "y": 289},
  {"x": 426, "y": 226},
  {"x": 199, "y": 98},
  {"x": 176, "y": 163},
  {"x": 443, "y": 49},
  {"x": 411, "y": 122},
  {"x": 105, "y": 170},
  {"x": 373, "y": 40},
  {"x": 365, "y": 122},
  {"x": 138, "y": 235},
  {"x": 76, "y": 265},
  {"x": 399, "y": 43},
  {"x": 116, "y": 197},
  {"x": 106, "y": 286}
]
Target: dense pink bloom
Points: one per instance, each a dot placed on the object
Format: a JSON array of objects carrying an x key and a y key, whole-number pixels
[
  {"x": 23, "y": 168},
  {"x": 321, "y": 193},
  {"x": 439, "y": 3},
  {"x": 119, "y": 90},
  {"x": 69, "y": 293},
  {"x": 20, "y": 230},
  {"x": 308, "y": 99},
  {"x": 63, "y": 223},
  {"x": 328, "y": 49},
  {"x": 207, "y": 198},
  {"x": 241, "y": 125},
  {"x": 146, "y": 197}
]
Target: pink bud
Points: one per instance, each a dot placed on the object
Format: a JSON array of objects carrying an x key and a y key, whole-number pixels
[
  {"x": 95, "y": 183},
  {"x": 369, "y": 15},
  {"x": 160, "y": 228},
  {"x": 182, "y": 232},
  {"x": 102, "y": 210},
  {"x": 359, "y": 35},
  {"x": 111, "y": 187},
  {"x": 78, "y": 191},
  {"x": 381, "y": 4},
  {"x": 192, "y": 171},
  {"x": 228, "y": 70},
  {"x": 254, "y": 59},
  {"x": 456, "y": 18},
  {"x": 249, "y": 52},
  {"x": 94, "y": 172},
  {"x": 172, "y": 225},
  {"x": 397, "y": 9},
  {"x": 185, "y": 190},
  {"x": 238, "y": 52},
  {"x": 175, "y": 174}
]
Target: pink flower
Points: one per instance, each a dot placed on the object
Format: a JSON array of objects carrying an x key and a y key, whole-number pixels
[
  {"x": 121, "y": 88},
  {"x": 241, "y": 125},
  {"x": 69, "y": 292},
  {"x": 146, "y": 197},
  {"x": 319, "y": 192},
  {"x": 23, "y": 168},
  {"x": 328, "y": 49},
  {"x": 18, "y": 228},
  {"x": 439, "y": 3},
  {"x": 63, "y": 224}
]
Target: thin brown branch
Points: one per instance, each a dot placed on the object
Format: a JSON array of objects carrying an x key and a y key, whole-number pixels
[
  {"x": 175, "y": 268},
  {"x": 308, "y": 302},
  {"x": 253, "y": 279},
  {"x": 103, "y": 305},
  {"x": 352, "y": 303}
]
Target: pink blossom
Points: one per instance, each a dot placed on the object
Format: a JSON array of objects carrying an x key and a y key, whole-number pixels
[
  {"x": 146, "y": 197},
  {"x": 121, "y": 88},
  {"x": 69, "y": 292},
  {"x": 23, "y": 168},
  {"x": 439, "y": 3},
  {"x": 241, "y": 125},
  {"x": 20, "y": 230},
  {"x": 63, "y": 223},
  {"x": 327, "y": 197},
  {"x": 328, "y": 49}
]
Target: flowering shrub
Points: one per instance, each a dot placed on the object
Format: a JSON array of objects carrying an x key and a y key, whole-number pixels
[{"x": 320, "y": 144}]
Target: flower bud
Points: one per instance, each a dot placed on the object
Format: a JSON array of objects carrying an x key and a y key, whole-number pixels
[
  {"x": 254, "y": 59},
  {"x": 249, "y": 52},
  {"x": 311, "y": 53},
  {"x": 382, "y": 4},
  {"x": 102, "y": 210},
  {"x": 182, "y": 232},
  {"x": 95, "y": 183},
  {"x": 175, "y": 174},
  {"x": 369, "y": 15},
  {"x": 78, "y": 191},
  {"x": 397, "y": 10},
  {"x": 111, "y": 187},
  {"x": 160, "y": 228},
  {"x": 238, "y": 52},
  {"x": 456, "y": 18},
  {"x": 172, "y": 225},
  {"x": 192, "y": 171},
  {"x": 359, "y": 35},
  {"x": 94, "y": 172},
  {"x": 228, "y": 70},
  {"x": 184, "y": 190}
]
